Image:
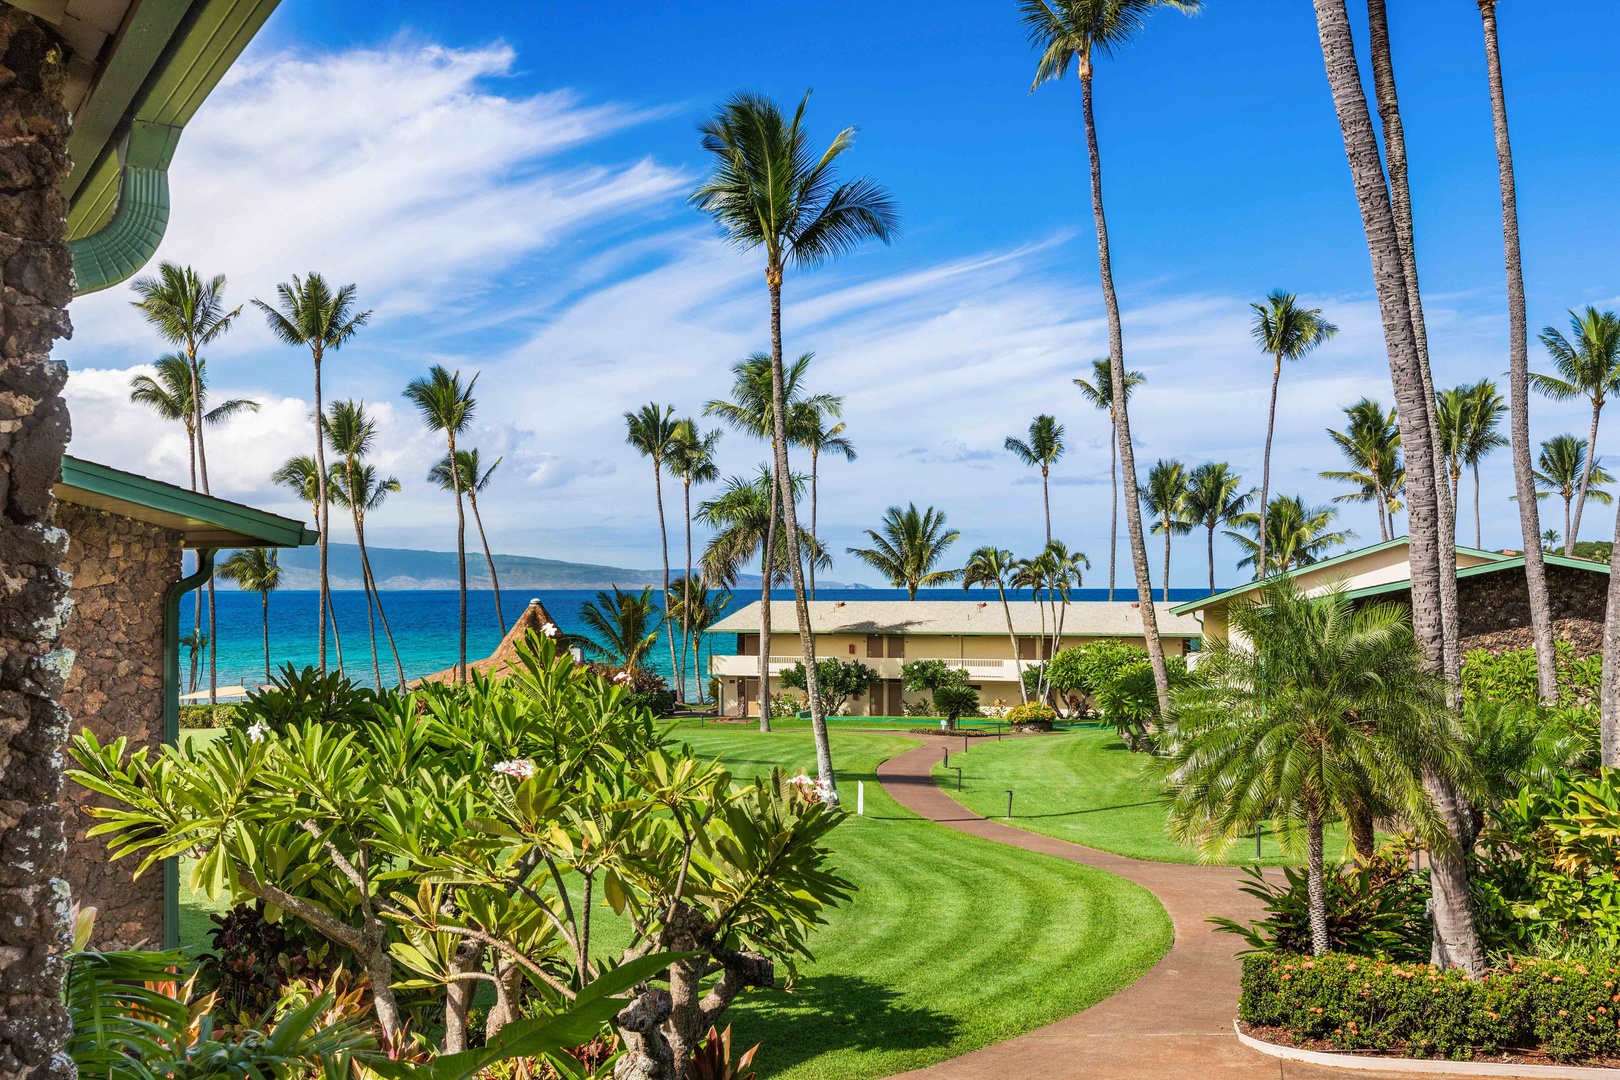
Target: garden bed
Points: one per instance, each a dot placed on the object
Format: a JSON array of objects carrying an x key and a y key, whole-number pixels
[{"x": 1395, "y": 1056}]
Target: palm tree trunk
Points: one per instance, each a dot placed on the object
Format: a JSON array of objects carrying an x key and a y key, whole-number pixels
[
  {"x": 494, "y": 579},
  {"x": 1167, "y": 561},
  {"x": 1265, "y": 468},
  {"x": 663, "y": 546},
  {"x": 1586, "y": 478},
  {"x": 1362, "y": 835},
  {"x": 1212, "y": 560},
  {"x": 1535, "y": 567},
  {"x": 365, "y": 585},
  {"x": 1046, "y": 503},
  {"x": 784, "y": 482},
  {"x": 767, "y": 568},
  {"x": 264, "y": 619},
  {"x": 1116, "y": 370},
  {"x": 202, "y": 471},
  {"x": 322, "y": 514},
  {"x": 1569, "y": 501},
  {"x": 337, "y": 638},
  {"x": 33, "y": 305},
  {"x": 1453, "y": 921},
  {"x": 371, "y": 582},
  {"x": 461, "y": 553},
  {"x": 1012, "y": 636},
  {"x": 1479, "y": 537},
  {"x": 1315, "y": 886},
  {"x": 815, "y": 461},
  {"x": 686, "y": 589},
  {"x": 1113, "y": 495}
]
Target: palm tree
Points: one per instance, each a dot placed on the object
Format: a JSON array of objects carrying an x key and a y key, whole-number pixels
[
  {"x": 620, "y": 623},
  {"x": 1321, "y": 706},
  {"x": 1566, "y": 469},
  {"x": 1215, "y": 499},
  {"x": 698, "y": 610},
  {"x": 1451, "y": 418},
  {"x": 298, "y": 475},
  {"x": 769, "y": 189},
  {"x": 992, "y": 566},
  {"x": 190, "y": 313},
  {"x": 167, "y": 392},
  {"x": 1371, "y": 445},
  {"x": 351, "y": 433},
  {"x": 309, "y": 314},
  {"x": 1481, "y": 435},
  {"x": 1295, "y": 535},
  {"x": 1042, "y": 450},
  {"x": 1284, "y": 331},
  {"x": 908, "y": 548},
  {"x": 470, "y": 467},
  {"x": 809, "y": 424},
  {"x": 194, "y": 643},
  {"x": 1165, "y": 499},
  {"x": 1100, "y": 392},
  {"x": 1589, "y": 367},
  {"x": 691, "y": 457},
  {"x": 446, "y": 405},
  {"x": 1068, "y": 32},
  {"x": 650, "y": 431},
  {"x": 256, "y": 570}
]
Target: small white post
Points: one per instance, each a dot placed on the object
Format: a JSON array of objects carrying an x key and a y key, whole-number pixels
[{"x": 860, "y": 798}]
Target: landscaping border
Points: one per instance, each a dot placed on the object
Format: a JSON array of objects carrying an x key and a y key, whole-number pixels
[{"x": 1422, "y": 1066}]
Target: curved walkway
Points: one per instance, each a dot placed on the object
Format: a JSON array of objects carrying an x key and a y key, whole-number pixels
[{"x": 1175, "y": 1021}]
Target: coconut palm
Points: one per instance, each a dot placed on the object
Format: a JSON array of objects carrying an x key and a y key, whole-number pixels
[
  {"x": 1050, "y": 577},
  {"x": 298, "y": 475},
  {"x": 1041, "y": 450},
  {"x": 1371, "y": 445},
  {"x": 446, "y": 404},
  {"x": 691, "y": 457},
  {"x": 1296, "y": 535},
  {"x": 1215, "y": 499},
  {"x": 811, "y": 431},
  {"x": 351, "y": 432},
  {"x": 624, "y": 626},
  {"x": 1284, "y": 330},
  {"x": 167, "y": 392},
  {"x": 908, "y": 548},
  {"x": 651, "y": 430},
  {"x": 1451, "y": 416},
  {"x": 769, "y": 189},
  {"x": 1069, "y": 32},
  {"x": 1588, "y": 365},
  {"x": 1100, "y": 392},
  {"x": 1470, "y": 418},
  {"x": 1165, "y": 500},
  {"x": 1314, "y": 706},
  {"x": 991, "y": 567},
  {"x": 256, "y": 570},
  {"x": 309, "y": 314},
  {"x": 470, "y": 467},
  {"x": 1565, "y": 469},
  {"x": 695, "y": 611}
]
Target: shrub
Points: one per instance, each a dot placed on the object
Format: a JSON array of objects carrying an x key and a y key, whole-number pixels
[
  {"x": 252, "y": 961},
  {"x": 1088, "y": 668},
  {"x": 837, "y": 681},
  {"x": 1509, "y": 676},
  {"x": 202, "y": 717},
  {"x": 956, "y": 699},
  {"x": 297, "y": 696},
  {"x": 925, "y": 674},
  {"x": 918, "y": 708},
  {"x": 1031, "y": 713},
  {"x": 1564, "y": 1008}
]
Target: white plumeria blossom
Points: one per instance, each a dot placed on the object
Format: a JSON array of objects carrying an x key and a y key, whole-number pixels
[
  {"x": 258, "y": 730},
  {"x": 550, "y": 629},
  {"x": 622, "y": 677},
  {"x": 814, "y": 790},
  {"x": 518, "y": 769}
]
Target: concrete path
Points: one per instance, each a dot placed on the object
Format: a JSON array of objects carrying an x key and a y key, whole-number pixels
[{"x": 1175, "y": 1021}]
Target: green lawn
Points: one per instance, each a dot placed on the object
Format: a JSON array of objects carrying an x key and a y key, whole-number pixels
[
  {"x": 951, "y": 942},
  {"x": 1084, "y": 786}
]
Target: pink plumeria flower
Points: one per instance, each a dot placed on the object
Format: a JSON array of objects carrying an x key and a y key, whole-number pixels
[{"x": 517, "y": 769}]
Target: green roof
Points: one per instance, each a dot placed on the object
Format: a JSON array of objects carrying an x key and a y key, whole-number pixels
[
  {"x": 203, "y": 521},
  {"x": 1506, "y": 562},
  {"x": 1339, "y": 560}
]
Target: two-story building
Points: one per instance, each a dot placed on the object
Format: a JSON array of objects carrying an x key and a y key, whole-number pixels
[{"x": 885, "y": 634}]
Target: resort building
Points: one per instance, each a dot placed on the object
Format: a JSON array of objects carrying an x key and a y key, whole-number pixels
[
  {"x": 1493, "y": 601},
  {"x": 885, "y": 634},
  {"x": 126, "y": 539}
]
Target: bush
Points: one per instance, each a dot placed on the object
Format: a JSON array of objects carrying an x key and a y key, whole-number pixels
[
  {"x": 955, "y": 699},
  {"x": 918, "y": 708},
  {"x": 202, "y": 717},
  {"x": 1031, "y": 715},
  {"x": 297, "y": 696},
  {"x": 252, "y": 961},
  {"x": 1509, "y": 676},
  {"x": 837, "y": 681},
  {"x": 1563, "y": 1008},
  {"x": 1086, "y": 669}
]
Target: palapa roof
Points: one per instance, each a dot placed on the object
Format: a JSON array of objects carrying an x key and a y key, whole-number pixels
[
  {"x": 504, "y": 660},
  {"x": 1121, "y": 619}
]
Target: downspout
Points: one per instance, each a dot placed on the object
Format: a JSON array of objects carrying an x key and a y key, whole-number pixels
[
  {"x": 118, "y": 250},
  {"x": 171, "y": 720}
]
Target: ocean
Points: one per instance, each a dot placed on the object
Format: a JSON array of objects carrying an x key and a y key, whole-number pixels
[{"x": 425, "y": 627}]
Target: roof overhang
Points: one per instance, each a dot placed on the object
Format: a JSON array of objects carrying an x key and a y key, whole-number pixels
[
  {"x": 201, "y": 520},
  {"x": 1515, "y": 562}
]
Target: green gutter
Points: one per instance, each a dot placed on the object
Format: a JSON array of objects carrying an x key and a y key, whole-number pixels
[
  {"x": 171, "y": 722},
  {"x": 119, "y": 249}
]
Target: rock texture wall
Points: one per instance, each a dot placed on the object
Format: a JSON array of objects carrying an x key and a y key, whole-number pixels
[
  {"x": 120, "y": 570},
  {"x": 1494, "y": 609}
]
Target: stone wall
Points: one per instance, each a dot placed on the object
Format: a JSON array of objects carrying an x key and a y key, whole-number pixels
[
  {"x": 1494, "y": 609},
  {"x": 121, "y": 569}
]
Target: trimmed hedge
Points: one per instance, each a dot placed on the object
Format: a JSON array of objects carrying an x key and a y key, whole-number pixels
[
  {"x": 1569, "y": 1010},
  {"x": 207, "y": 716}
]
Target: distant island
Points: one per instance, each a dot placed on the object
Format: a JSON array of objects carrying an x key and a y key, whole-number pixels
[{"x": 408, "y": 568}]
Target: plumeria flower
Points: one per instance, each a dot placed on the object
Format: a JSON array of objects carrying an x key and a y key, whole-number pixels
[
  {"x": 550, "y": 629},
  {"x": 622, "y": 677},
  {"x": 258, "y": 730},
  {"x": 518, "y": 769}
]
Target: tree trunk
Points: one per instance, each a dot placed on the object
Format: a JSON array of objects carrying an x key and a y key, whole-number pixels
[
  {"x": 461, "y": 554},
  {"x": 767, "y": 568},
  {"x": 322, "y": 512},
  {"x": 1609, "y": 691},
  {"x": 264, "y": 618},
  {"x": 815, "y": 461},
  {"x": 1046, "y": 503},
  {"x": 365, "y": 578},
  {"x": 1568, "y": 502},
  {"x": 1113, "y": 495},
  {"x": 1586, "y": 478},
  {"x": 1265, "y": 470},
  {"x": 686, "y": 588},
  {"x": 1012, "y": 636},
  {"x": 1453, "y": 920},
  {"x": 1456, "y": 941},
  {"x": 1212, "y": 560},
  {"x": 663, "y": 547},
  {"x": 34, "y": 600},
  {"x": 1479, "y": 537},
  {"x": 1116, "y": 370},
  {"x": 1362, "y": 835},
  {"x": 1167, "y": 560},
  {"x": 784, "y": 483},
  {"x": 1535, "y": 567},
  {"x": 494, "y": 579},
  {"x": 371, "y": 582},
  {"x": 1315, "y": 887},
  {"x": 458, "y": 995}
]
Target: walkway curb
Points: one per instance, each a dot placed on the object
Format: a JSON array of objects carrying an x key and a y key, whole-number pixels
[{"x": 1422, "y": 1066}]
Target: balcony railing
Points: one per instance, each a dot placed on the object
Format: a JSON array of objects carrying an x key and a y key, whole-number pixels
[{"x": 990, "y": 670}]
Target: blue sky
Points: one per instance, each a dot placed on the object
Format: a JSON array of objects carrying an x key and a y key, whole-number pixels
[{"x": 505, "y": 182}]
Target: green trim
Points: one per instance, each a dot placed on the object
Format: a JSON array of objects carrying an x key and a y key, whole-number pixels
[
  {"x": 1220, "y": 597},
  {"x": 171, "y": 721},
  {"x": 118, "y": 250},
  {"x": 204, "y": 520}
]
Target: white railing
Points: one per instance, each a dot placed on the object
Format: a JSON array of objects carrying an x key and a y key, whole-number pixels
[{"x": 995, "y": 670}]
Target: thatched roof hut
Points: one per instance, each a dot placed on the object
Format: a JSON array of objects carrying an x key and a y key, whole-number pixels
[{"x": 500, "y": 663}]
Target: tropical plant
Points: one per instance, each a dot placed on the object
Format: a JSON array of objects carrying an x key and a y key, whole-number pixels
[
  {"x": 651, "y": 431},
  {"x": 1295, "y": 535},
  {"x": 992, "y": 567},
  {"x": 1100, "y": 392},
  {"x": 1215, "y": 499},
  {"x": 1041, "y": 451},
  {"x": 1482, "y": 409},
  {"x": 1371, "y": 445},
  {"x": 908, "y": 548},
  {"x": 698, "y": 609},
  {"x": 811, "y": 431},
  {"x": 625, "y": 626},
  {"x": 1284, "y": 330},
  {"x": 1165, "y": 499},
  {"x": 445, "y": 404},
  {"x": 1069, "y": 32},
  {"x": 355, "y": 485},
  {"x": 194, "y": 643},
  {"x": 1567, "y": 471},
  {"x": 837, "y": 681},
  {"x": 948, "y": 688},
  {"x": 1323, "y": 710},
  {"x": 691, "y": 457},
  {"x": 1051, "y": 578},
  {"x": 1587, "y": 365},
  {"x": 470, "y": 466},
  {"x": 309, "y": 314},
  {"x": 256, "y": 570},
  {"x": 769, "y": 190},
  {"x": 299, "y": 475}
]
